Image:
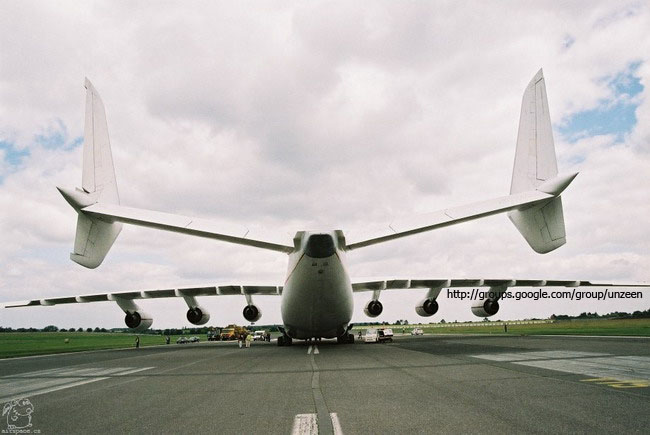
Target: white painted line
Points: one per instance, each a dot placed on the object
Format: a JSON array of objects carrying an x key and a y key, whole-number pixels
[
  {"x": 128, "y": 372},
  {"x": 537, "y": 355},
  {"x": 46, "y": 381},
  {"x": 336, "y": 424},
  {"x": 13, "y": 358},
  {"x": 49, "y": 390},
  {"x": 305, "y": 424},
  {"x": 316, "y": 351},
  {"x": 309, "y": 350},
  {"x": 621, "y": 368}
]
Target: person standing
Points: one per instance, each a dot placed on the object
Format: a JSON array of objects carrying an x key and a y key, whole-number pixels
[
  {"x": 249, "y": 339},
  {"x": 137, "y": 341},
  {"x": 239, "y": 340}
]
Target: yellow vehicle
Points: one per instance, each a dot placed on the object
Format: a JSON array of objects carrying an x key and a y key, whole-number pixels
[{"x": 231, "y": 332}]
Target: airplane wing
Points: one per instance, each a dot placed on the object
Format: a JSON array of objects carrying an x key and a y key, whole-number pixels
[
  {"x": 485, "y": 303},
  {"x": 187, "y": 292},
  {"x": 407, "y": 284}
]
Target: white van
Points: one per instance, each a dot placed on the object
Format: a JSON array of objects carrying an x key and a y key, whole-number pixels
[
  {"x": 378, "y": 336},
  {"x": 259, "y": 335},
  {"x": 371, "y": 336}
]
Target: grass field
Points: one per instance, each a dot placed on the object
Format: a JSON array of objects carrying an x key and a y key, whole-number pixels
[
  {"x": 632, "y": 327},
  {"x": 13, "y": 344}
]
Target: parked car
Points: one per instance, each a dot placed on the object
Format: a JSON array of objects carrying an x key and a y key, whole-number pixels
[
  {"x": 182, "y": 340},
  {"x": 259, "y": 335},
  {"x": 385, "y": 335},
  {"x": 214, "y": 335},
  {"x": 194, "y": 340},
  {"x": 417, "y": 331}
]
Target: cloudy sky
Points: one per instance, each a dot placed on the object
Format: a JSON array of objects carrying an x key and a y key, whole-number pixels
[{"x": 286, "y": 116}]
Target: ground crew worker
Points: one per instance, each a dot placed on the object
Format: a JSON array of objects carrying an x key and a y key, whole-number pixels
[
  {"x": 239, "y": 340},
  {"x": 249, "y": 339},
  {"x": 137, "y": 342},
  {"x": 167, "y": 340}
]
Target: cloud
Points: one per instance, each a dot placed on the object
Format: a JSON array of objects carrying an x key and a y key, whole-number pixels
[{"x": 317, "y": 115}]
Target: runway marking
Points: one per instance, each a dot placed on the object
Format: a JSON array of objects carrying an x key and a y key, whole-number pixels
[
  {"x": 309, "y": 350},
  {"x": 603, "y": 369},
  {"x": 307, "y": 424},
  {"x": 615, "y": 383},
  {"x": 46, "y": 381},
  {"x": 628, "y": 371},
  {"x": 316, "y": 351},
  {"x": 524, "y": 356},
  {"x": 336, "y": 424}
]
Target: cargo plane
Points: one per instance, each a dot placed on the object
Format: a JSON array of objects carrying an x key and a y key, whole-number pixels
[{"x": 317, "y": 293}]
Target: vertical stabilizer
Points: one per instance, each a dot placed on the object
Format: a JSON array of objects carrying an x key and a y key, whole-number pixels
[
  {"x": 98, "y": 171},
  {"x": 94, "y": 237},
  {"x": 535, "y": 160},
  {"x": 542, "y": 225}
]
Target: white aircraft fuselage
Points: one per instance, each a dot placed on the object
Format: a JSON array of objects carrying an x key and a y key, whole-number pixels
[{"x": 317, "y": 296}]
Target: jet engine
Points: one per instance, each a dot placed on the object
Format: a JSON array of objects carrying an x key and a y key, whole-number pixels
[
  {"x": 427, "y": 307},
  {"x": 486, "y": 308},
  {"x": 198, "y": 316},
  {"x": 252, "y": 313},
  {"x": 373, "y": 308},
  {"x": 138, "y": 321}
]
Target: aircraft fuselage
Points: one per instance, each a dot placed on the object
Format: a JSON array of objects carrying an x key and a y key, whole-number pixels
[{"x": 317, "y": 295}]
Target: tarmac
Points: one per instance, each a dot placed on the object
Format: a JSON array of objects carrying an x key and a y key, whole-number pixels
[{"x": 419, "y": 384}]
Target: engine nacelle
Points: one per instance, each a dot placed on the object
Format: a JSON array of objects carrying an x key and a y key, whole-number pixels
[
  {"x": 427, "y": 307},
  {"x": 486, "y": 308},
  {"x": 138, "y": 321},
  {"x": 198, "y": 316},
  {"x": 252, "y": 313},
  {"x": 373, "y": 308}
]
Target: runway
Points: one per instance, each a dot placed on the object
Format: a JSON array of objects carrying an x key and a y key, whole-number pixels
[{"x": 424, "y": 384}]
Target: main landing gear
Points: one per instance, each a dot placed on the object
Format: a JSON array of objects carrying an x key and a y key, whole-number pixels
[
  {"x": 345, "y": 339},
  {"x": 284, "y": 340}
]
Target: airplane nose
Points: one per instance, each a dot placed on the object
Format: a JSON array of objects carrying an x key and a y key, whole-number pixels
[{"x": 320, "y": 246}]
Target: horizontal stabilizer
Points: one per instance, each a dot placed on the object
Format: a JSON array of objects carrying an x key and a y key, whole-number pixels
[{"x": 180, "y": 224}]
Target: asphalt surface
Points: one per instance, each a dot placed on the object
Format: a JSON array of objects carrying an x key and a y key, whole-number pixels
[{"x": 424, "y": 384}]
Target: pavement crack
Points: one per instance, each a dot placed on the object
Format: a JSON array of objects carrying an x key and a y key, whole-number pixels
[{"x": 325, "y": 426}]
